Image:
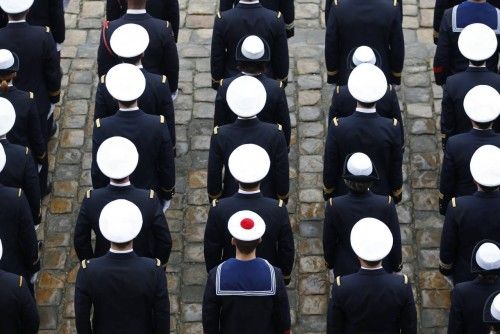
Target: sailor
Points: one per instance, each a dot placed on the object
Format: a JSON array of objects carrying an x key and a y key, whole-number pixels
[
  {"x": 20, "y": 170},
  {"x": 343, "y": 212},
  {"x": 376, "y": 24},
  {"x": 246, "y": 294},
  {"x": 117, "y": 158},
  {"x": 372, "y": 300},
  {"x": 19, "y": 313},
  {"x": 160, "y": 9},
  {"x": 160, "y": 56},
  {"x": 249, "y": 164},
  {"x": 287, "y": 8},
  {"x": 129, "y": 42},
  {"x": 482, "y": 106},
  {"x": 468, "y": 298},
  {"x": 491, "y": 313},
  {"x": 20, "y": 252},
  {"x": 343, "y": 104},
  {"x": 367, "y": 132},
  {"x": 470, "y": 219},
  {"x": 253, "y": 56},
  {"x": 246, "y": 96},
  {"x": 248, "y": 18},
  {"x": 477, "y": 42},
  {"x": 448, "y": 60},
  {"x": 128, "y": 293},
  {"x": 150, "y": 135}
]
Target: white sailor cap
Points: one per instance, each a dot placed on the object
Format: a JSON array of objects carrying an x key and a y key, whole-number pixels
[
  {"x": 487, "y": 256},
  {"x": 1, "y": 249},
  {"x": 249, "y": 163},
  {"x": 120, "y": 221},
  {"x": 3, "y": 158},
  {"x": 359, "y": 168},
  {"x": 7, "y": 116},
  {"x": 129, "y": 40},
  {"x": 246, "y": 96},
  {"x": 477, "y": 42},
  {"x": 117, "y": 157},
  {"x": 246, "y": 226},
  {"x": 371, "y": 239},
  {"x": 9, "y": 62},
  {"x": 482, "y": 104},
  {"x": 495, "y": 308},
  {"x": 364, "y": 54},
  {"x": 485, "y": 166},
  {"x": 253, "y": 48},
  {"x": 367, "y": 83},
  {"x": 125, "y": 82},
  {"x": 15, "y": 6}
]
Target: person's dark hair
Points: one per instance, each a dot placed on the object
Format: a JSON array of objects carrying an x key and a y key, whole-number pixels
[
  {"x": 5, "y": 80},
  {"x": 128, "y": 104},
  {"x": 18, "y": 16},
  {"x": 372, "y": 263},
  {"x": 252, "y": 67},
  {"x": 483, "y": 126},
  {"x": 488, "y": 189},
  {"x": 358, "y": 187},
  {"x": 366, "y": 105},
  {"x": 120, "y": 180},
  {"x": 121, "y": 244},
  {"x": 246, "y": 247},
  {"x": 133, "y": 60},
  {"x": 248, "y": 186},
  {"x": 487, "y": 278},
  {"x": 477, "y": 62},
  {"x": 134, "y": 4}
]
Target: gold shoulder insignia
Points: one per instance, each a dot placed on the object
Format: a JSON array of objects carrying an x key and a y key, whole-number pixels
[
  {"x": 395, "y": 3},
  {"x": 151, "y": 194},
  {"x": 454, "y": 202},
  {"x": 168, "y": 24},
  {"x": 214, "y": 203},
  {"x": 280, "y": 127},
  {"x": 218, "y": 15},
  {"x": 216, "y": 130},
  {"x": 335, "y": 2},
  {"x": 32, "y": 96},
  {"x": 20, "y": 281},
  {"x": 98, "y": 123},
  {"x": 394, "y": 122},
  {"x": 335, "y": 121},
  {"x": 281, "y": 203},
  {"x": 103, "y": 78},
  {"x": 221, "y": 82},
  {"x": 405, "y": 279},
  {"x": 84, "y": 264},
  {"x": 19, "y": 192},
  {"x": 158, "y": 262},
  {"x": 390, "y": 199},
  {"x": 162, "y": 119},
  {"x": 338, "y": 281},
  {"x": 89, "y": 192},
  {"x": 47, "y": 29},
  {"x": 281, "y": 84},
  {"x": 27, "y": 150},
  {"x": 279, "y": 15},
  {"x": 163, "y": 78},
  {"x": 337, "y": 89},
  {"x": 390, "y": 87},
  {"x": 331, "y": 201}
]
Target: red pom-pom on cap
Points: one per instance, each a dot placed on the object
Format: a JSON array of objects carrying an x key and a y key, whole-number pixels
[{"x": 247, "y": 224}]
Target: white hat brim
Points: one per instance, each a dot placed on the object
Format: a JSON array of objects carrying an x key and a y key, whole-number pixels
[
  {"x": 15, "y": 6},
  {"x": 367, "y": 83},
  {"x": 249, "y": 163},
  {"x": 482, "y": 104},
  {"x": 239, "y": 233},
  {"x": 371, "y": 239},
  {"x": 129, "y": 40},
  {"x": 7, "y": 116},
  {"x": 125, "y": 82},
  {"x": 246, "y": 96},
  {"x": 485, "y": 166},
  {"x": 120, "y": 221},
  {"x": 477, "y": 42},
  {"x": 117, "y": 158}
]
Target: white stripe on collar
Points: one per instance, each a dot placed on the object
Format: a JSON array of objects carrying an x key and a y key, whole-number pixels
[
  {"x": 111, "y": 250},
  {"x": 136, "y": 11},
  {"x": 244, "y": 192},
  {"x": 120, "y": 184},
  {"x": 366, "y": 110}
]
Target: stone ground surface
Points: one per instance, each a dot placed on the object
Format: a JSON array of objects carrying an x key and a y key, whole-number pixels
[{"x": 308, "y": 97}]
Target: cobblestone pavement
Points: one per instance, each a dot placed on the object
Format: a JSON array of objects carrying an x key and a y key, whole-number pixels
[{"x": 308, "y": 97}]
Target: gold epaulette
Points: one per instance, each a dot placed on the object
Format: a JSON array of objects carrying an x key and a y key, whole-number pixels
[
  {"x": 219, "y": 15},
  {"x": 330, "y": 201},
  {"x": 337, "y": 89},
  {"x": 20, "y": 281},
  {"x": 454, "y": 202},
  {"x": 151, "y": 194},
  {"x": 84, "y": 264},
  {"x": 98, "y": 123},
  {"x": 335, "y": 121},
  {"x": 395, "y": 3},
  {"x": 47, "y": 29},
  {"x": 280, "y": 127},
  {"x": 158, "y": 263},
  {"x": 168, "y": 24},
  {"x": 278, "y": 15},
  {"x": 394, "y": 122},
  {"x": 103, "y": 78},
  {"x": 390, "y": 199},
  {"x": 19, "y": 192},
  {"x": 214, "y": 203},
  {"x": 32, "y": 96},
  {"x": 27, "y": 151},
  {"x": 281, "y": 84},
  {"x": 338, "y": 281},
  {"x": 216, "y": 130},
  {"x": 89, "y": 193},
  {"x": 281, "y": 203},
  {"x": 162, "y": 119},
  {"x": 163, "y": 78},
  {"x": 390, "y": 87},
  {"x": 405, "y": 279}
]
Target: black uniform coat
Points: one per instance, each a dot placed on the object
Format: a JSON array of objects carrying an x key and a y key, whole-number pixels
[
  {"x": 227, "y": 138},
  {"x": 286, "y": 7},
  {"x": 165, "y": 10},
  {"x": 161, "y": 55},
  {"x": 47, "y": 13},
  {"x": 456, "y": 179},
  {"x": 39, "y": 70},
  {"x": 341, "y": 214},
  {"x": 275, "y": 111},
  {"x": 156, "y": 100},
  {"x": 20, "y": 252},
  {"x": 26, "y": 130},
  {"x": 353, "y": 23},
  {"x": 129, "y": 295},
  {"x": 369, "y": 133},
  {"x": 372, "y": 301},
  {"x": 467, "y": 303},
  {"x": 469, "y": 219},
  {"x": 19, "y": 313},
  {"x": 243, "y": 20},
  {"x": 154, "y": 240},
  {"x": 246, "y": 297},
  {"x": 454, "y": 120},
  {"x": 150, "y": 135},
  {"x": 343, "y": 105},
  {"x": 20, "y": 171},
  {"x": 448, "y": 60},
  {"x": 277, "y": 245}
]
